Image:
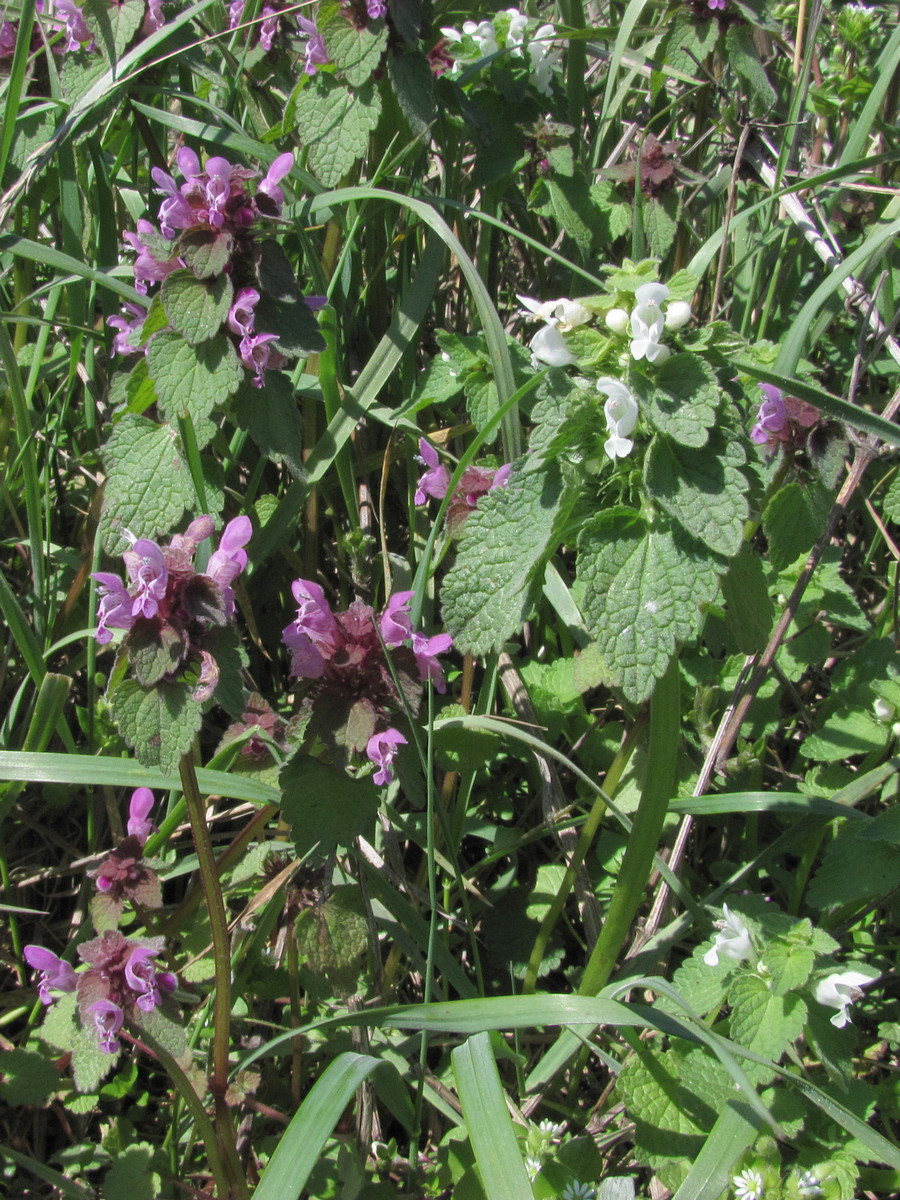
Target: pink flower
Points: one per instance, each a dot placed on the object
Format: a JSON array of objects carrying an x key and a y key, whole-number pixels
[
  {"x": 76, "y": 30},
  {"x": 147, "y": 572},
  {"x": 376, "y": 9},
  {"x": 108, "y": 1019},
  {"x": 782, "y": 419},
  {"x": 143, "y": 979},
  {"x": 268, "y": 186},
  {"x": 127, "y": 340},
  {"x": 314, "y": 635},
  {"x": 315, "y": 54},
  {"x": 436, "y": 479},
  {"x": 426, "y": 650},
  {"x": 382, "y": 749},
  {"x": 394, "y": 622},
  {"x": 142, "y": 801},
  {"x": 55, "y": 974},
  {"x": 226, "y": 563}
]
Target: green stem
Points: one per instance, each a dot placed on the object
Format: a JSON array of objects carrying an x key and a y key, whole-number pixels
[
  {"x": 218, "y": 923},
  {"x": 585, "y": 840},
  {"x": 665, "y": 719}
]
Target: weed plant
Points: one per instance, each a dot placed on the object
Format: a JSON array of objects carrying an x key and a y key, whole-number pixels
[{"x": 451, "y": 671}]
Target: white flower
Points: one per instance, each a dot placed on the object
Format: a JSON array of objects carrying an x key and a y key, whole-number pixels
[
  {"x": 532, "y": 1165},
  {"x": 550, "y": 1129},
  {"x": 575, "y": 1190},
  {"x": 621, "y": 411},
  {"x": 748, "y": 1185},
  {"x": 483, "y": 35},
  {"x": 515, "y": 36},
  {"x": 678, "y": 313},
  {"x": 648, "y": 323},
  {"x": 549, "y": 346},
  {"x": 567, "y": 314},
  {"x": 617, "y": 320},
  {"x": 544, "y": 58},
  {"x": 884, "y": 710},
  {"x": 732, "y": 942},
  {"x": 840, "y": 991},
  {"x": 808, "y": 1185}
]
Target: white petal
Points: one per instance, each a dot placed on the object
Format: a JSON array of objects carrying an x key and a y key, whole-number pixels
[
  {"x": 678, "y": 313},
  {"x": 651, "y": 293},
  {"x": 549, "y": 346},
  {"x": 617, "y": 320}
]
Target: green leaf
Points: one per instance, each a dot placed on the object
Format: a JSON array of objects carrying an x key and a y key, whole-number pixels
[
  {"x": 412, "y": 84},
  {"x": 114, "y": 25},
  {"x": 196, "y": 309},
  {"x": 159, "y": 723},
  {"x": 333, "y": 937},
  {"x": 271, "y": 416},
  {"x": 492, "y": 587},
  {"x": 355, "y": 49},
  {"x": 644, "y": 588},
  {"x": 682, "y": 400},
  {"x": 132, "y": 390},
  {"x": 687, "y": 41},
  {"x": 487, "y": 1119},
  {"x": 206, "y": 251},
  {"x": 335, "y": 123},
  {"x": 846, "y": 733},
  {"x": 324, "y": 807},
  {"x": 749, "y": 612},
  {"x": 701, "y": 489},
  {"x": 148, "y": 484},
  {"x": 191, "y": 381},
  {"x": 854, "y": 869},
  {"x": 154, "y": 650},
  {"x": 790, "y": 959},
  {"x": 793, "y": 520},
  {"x": 570, "y": 200},
  {"x": 28, "y": 1078},
  {"x": 131, "y": 1177},
  {"x": 660, "y": 216},
  {"x": 743, "y": 57},
  {"x": 763, "y": 1022}
]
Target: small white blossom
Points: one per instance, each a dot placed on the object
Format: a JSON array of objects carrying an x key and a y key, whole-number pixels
[
  {"x": 575, "y": 1190},
  {"x": 532, "y": 1165},
  {"x": 621, "y": 412},
  {"x": 482, "y": 34},
  {"x": 678, "y": 313},
  {"x": 567, "y": 314},
  {"x": 884, "y": 710},
  {"x": 617, "y": 320},
  {"x": 733, "y": 940},
  {"x": 808, "y": 1185},
  {"x": 748, "y": 1185},
  {"x": 839, "y": 991}
]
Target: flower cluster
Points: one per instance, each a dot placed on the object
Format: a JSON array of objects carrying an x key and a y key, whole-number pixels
[
  {"x": 474, "y": 483},
  {"x": 353, "y": 697},
  {"x": 509, "y": 31},
  {"x": 214, "y": 211},
  {"x": 782, "y": 420},
  {"x": 123, "y": 875},
  {"x": 121, "y": 981},
  {"x": 651, "y": 316},
  {"x": 267, "y": 25},
  {"x": 166, "y": 602}
]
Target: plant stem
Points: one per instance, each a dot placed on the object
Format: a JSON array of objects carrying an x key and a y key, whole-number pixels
[
  {"x": 665, "y": 717},
  {"x": 218, "y": 922}
]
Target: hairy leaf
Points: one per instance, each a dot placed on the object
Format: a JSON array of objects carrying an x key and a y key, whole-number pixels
[
  {"x": 196, "y": 308},
  {"x": 158, "y": 723},
  {"x": 335, "y": 123},
  {"x": 148, "y": 485}
]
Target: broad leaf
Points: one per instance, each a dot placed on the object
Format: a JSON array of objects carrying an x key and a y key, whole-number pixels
[{"x": 196, "y": 308}]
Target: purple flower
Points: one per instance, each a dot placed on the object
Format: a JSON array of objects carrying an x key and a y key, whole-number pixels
[
  {"x": 268, "y": 28},
  {"x": 154, "y": 19},
  {"x": 268, "y": 186},
  {"x": 436, "y": 479},
  {"x": 315, "y": 54},
  {"x": 235, "y": 12},
  {"x": 108, "y": 1018},
  {"x": 394, "y": 622},
  {"x": 76, "y": 30},
  {"x": 314, "y": 635},
  {"x": 142, "y": 801},
  {"x": 147, "y": 267},
  {"x": 474, "y": 483},
  {"x": 55, "y": 974},
  {"x": 381, "y": 749},
  {"x": 258, "y": 355},
  {"x": 8, "y": 36},
  {"x": 115, "y": 608},
  {"x": 426, "y": 650},
  {"x": 127, "y": 340},
  {"x": 143, "y": 979},
  {"x": 782, "y": 419},
  {"x": 714, "y": 4},
  {"x": 376, "y": 9},
  {"x": 226, "y": 563},
  {"x": 147, "y": 571}
]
